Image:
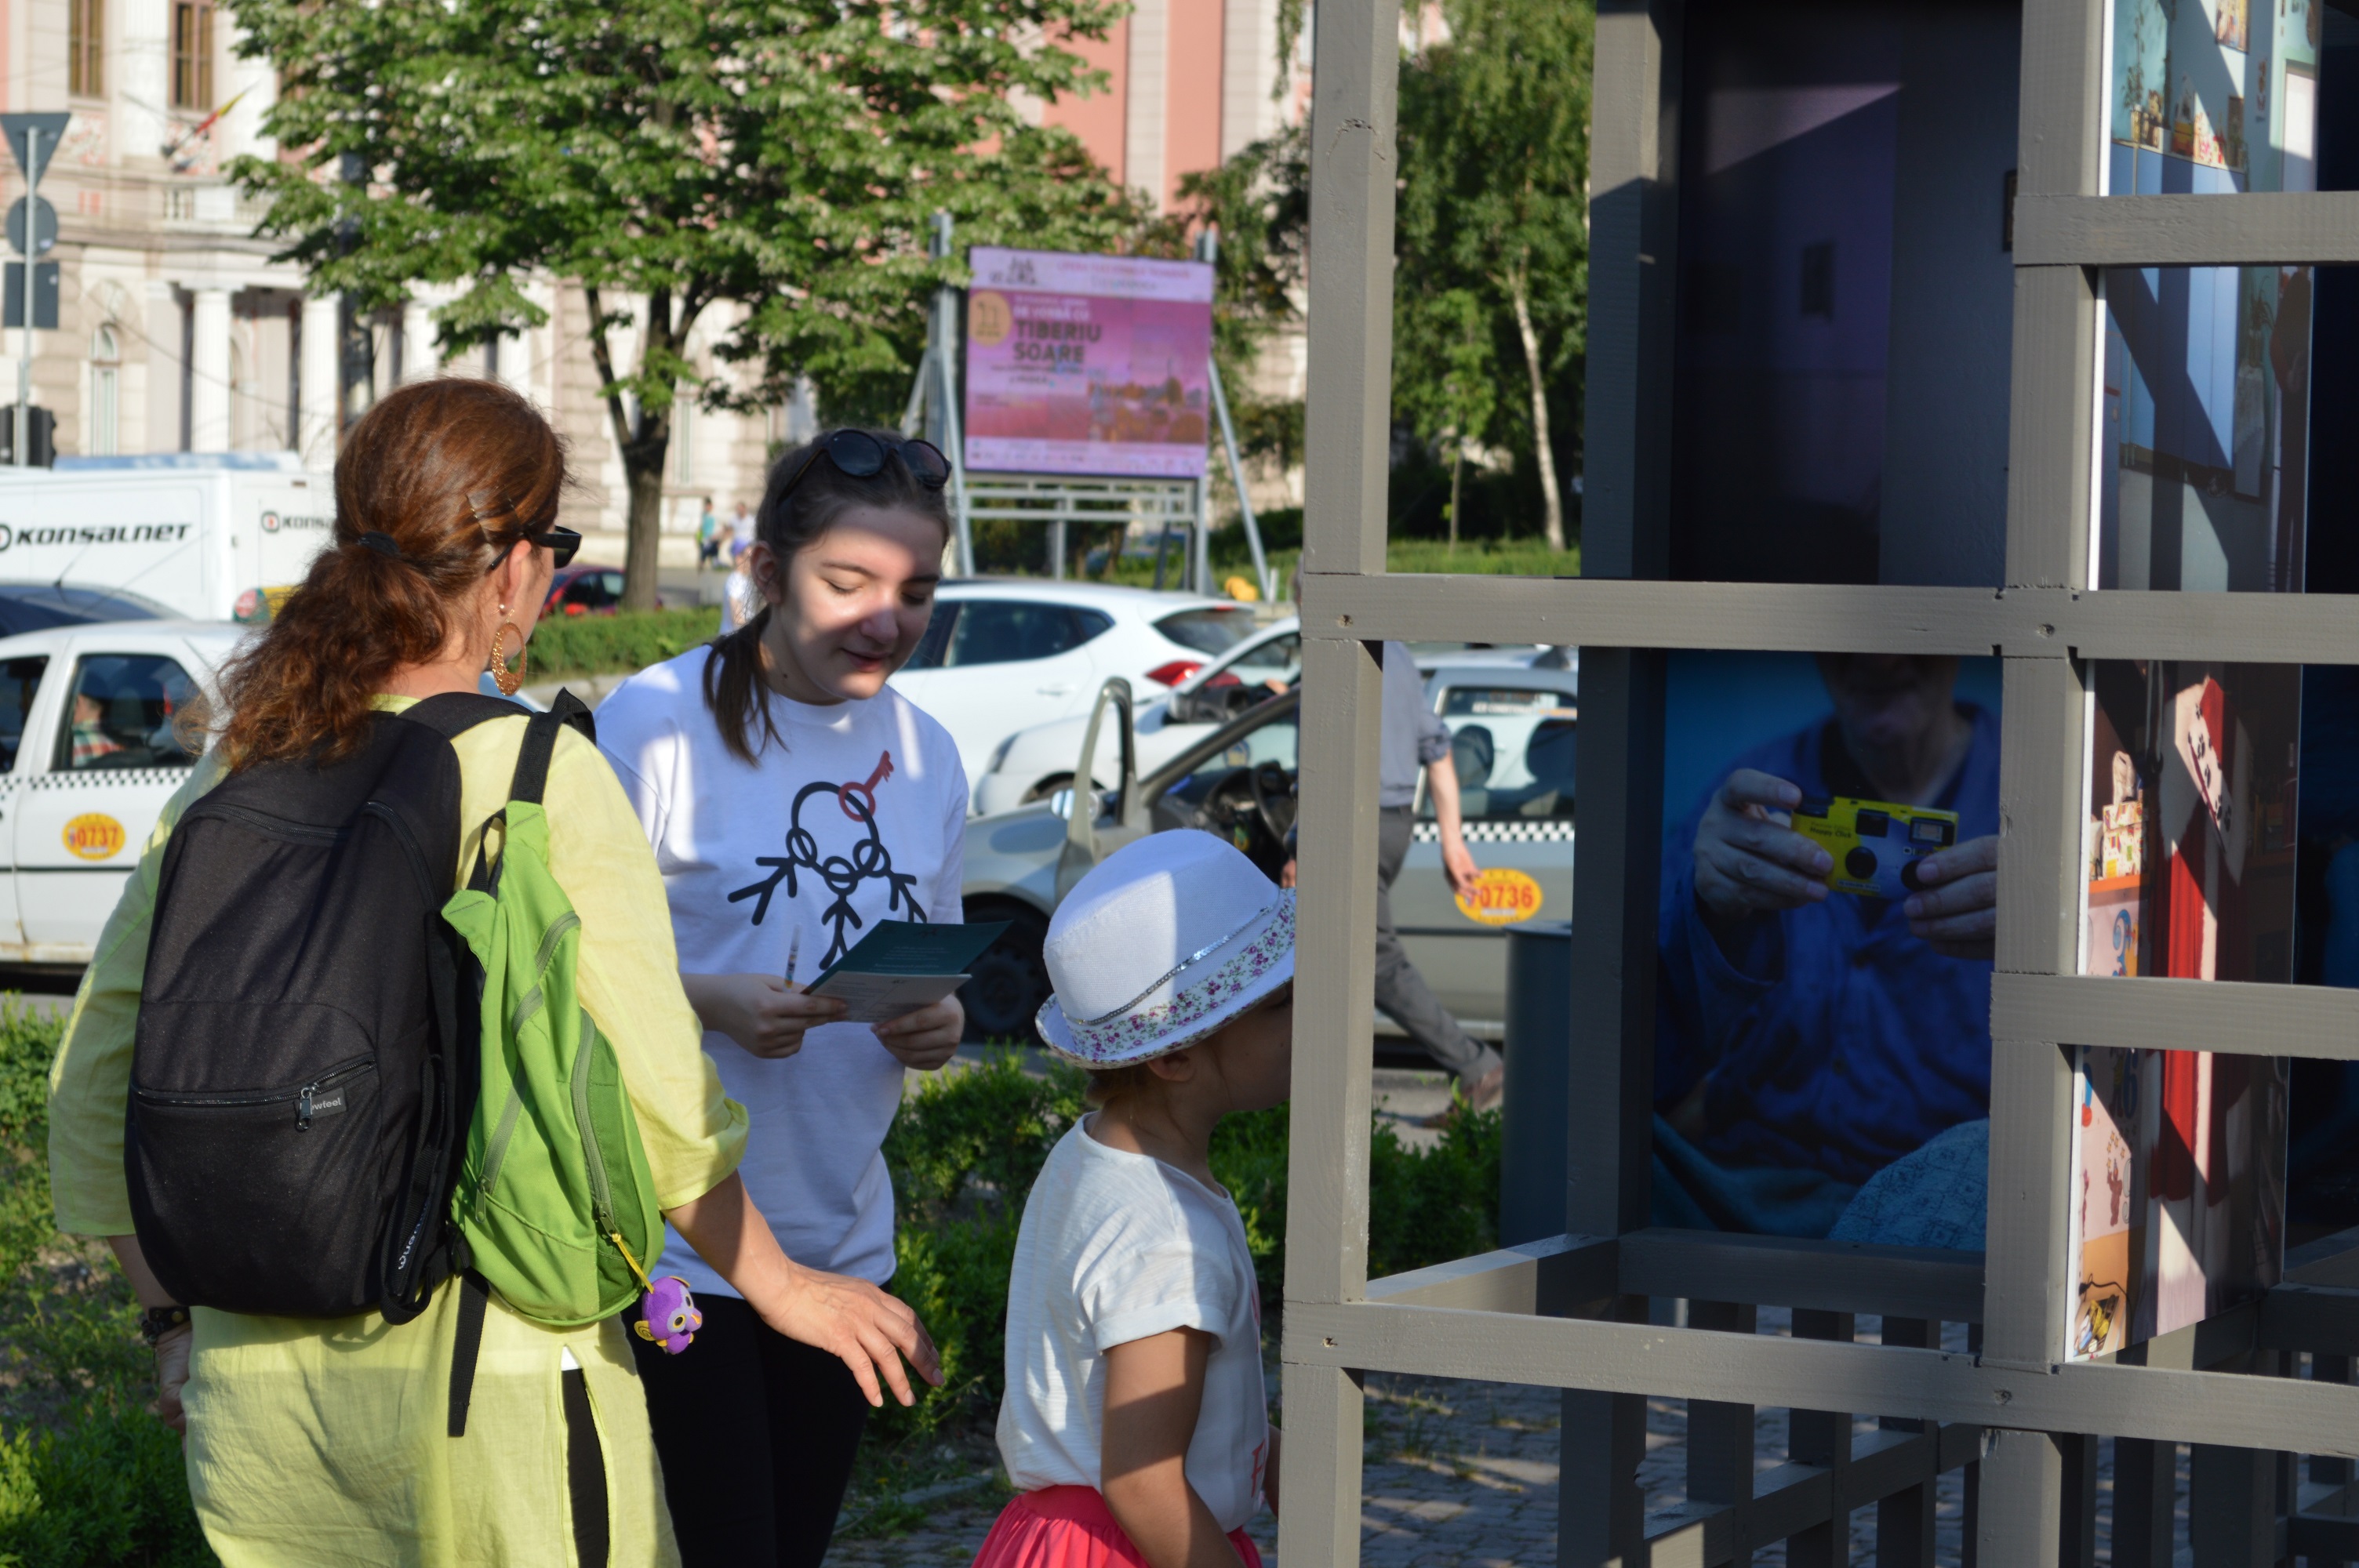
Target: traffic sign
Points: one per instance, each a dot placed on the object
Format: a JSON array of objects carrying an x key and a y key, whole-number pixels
[
  {"x": 45, "y": 226},
  {"x": 52, "y": 128},
  {"x": 45, "y": 297}
]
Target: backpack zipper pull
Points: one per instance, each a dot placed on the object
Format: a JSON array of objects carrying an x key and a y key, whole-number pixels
[{"x": 303, "y": 1109}]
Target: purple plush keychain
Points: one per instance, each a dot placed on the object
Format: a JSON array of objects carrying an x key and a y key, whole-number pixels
[{"x": 667, "y": 1315}]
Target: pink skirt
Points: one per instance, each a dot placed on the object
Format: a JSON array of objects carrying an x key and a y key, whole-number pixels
[{"x": 1071, "y": 1527}]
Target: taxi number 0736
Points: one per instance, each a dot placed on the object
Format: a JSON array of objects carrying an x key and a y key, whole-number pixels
[{"x": 1501, "y": 896}]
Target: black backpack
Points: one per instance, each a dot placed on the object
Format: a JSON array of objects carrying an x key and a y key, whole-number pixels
[{"x": 305, "y": 1064}]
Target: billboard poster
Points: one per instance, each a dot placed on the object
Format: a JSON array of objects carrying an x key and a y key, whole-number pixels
[
  {"x": 1086, "y": 364},
  {"x": 2179, "y": 1194}
]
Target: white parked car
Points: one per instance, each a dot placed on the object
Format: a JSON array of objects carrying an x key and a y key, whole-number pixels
[
  {"x": 1514, "y": 723},
  {"x": 1034, "y": 763},
  {"x": 1003, "y": 655},
  {"x": 88, "y": 757}
]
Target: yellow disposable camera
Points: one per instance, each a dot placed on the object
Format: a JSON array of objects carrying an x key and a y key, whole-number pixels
[{"x": 1875, "y": 844}]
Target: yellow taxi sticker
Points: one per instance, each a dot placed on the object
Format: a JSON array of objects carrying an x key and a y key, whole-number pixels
[
  {"x": 95, "y": 836},
  {"x": 1501, "y": 897}
]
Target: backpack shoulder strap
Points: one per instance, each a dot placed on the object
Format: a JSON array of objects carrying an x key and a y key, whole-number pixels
[
  {"x": 541, "y": 743},
  {"x": 451, "y": 714}
]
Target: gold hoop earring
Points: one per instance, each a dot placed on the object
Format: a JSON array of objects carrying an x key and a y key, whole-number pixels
[{"x": 508, "y": 670}]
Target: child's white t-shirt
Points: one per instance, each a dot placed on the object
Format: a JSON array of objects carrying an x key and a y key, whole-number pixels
[
  {"x": 861, "y": 817},
  {"x": 1117, "y": 1246}
]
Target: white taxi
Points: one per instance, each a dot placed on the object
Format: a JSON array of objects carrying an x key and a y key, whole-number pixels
[{"x": 88, "y": 757}]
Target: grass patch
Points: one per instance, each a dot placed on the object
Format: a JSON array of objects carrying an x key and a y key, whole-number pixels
[
  {"x": 566, "y": 645},
  {"x": 87, "y": 1477}
]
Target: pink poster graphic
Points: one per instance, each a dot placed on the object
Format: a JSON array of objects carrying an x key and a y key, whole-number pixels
[{"x": 1088, "y": 364}]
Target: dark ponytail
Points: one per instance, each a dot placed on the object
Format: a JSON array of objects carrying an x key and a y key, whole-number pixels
[
  {"x": 433, "y": 483},
  {"x": 734, "y": 688}
]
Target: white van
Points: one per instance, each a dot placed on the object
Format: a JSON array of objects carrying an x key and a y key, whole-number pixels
[{"x": 209, "y": 535}]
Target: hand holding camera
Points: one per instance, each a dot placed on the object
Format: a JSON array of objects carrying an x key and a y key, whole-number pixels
[{"x": 1748, "y": 859}]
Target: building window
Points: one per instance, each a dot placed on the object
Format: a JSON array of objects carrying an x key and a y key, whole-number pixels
[
  {"x": 86, "y": 48},
  {"x": 192, "y": 54},
  {"x": 105, "y": 437}
]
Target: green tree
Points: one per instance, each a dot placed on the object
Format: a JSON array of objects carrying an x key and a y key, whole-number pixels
[
  {"x": 1491, "y": 231},
  {"x": 668, "y": 158}
]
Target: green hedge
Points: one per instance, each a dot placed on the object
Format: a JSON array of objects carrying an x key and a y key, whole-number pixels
[
  {"x": 968, "y": 1144},
  {"x": 602, "y": 644},
  {"x": 88, "y": 1478}
]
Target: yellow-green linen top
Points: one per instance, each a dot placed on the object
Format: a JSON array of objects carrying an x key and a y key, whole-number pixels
[{"x": 314, "y": 1441}]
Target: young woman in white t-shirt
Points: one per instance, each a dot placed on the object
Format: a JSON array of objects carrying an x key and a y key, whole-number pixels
[
  {"x": 1135, "y": 1425},
  {"x": 794, "y": 801}
]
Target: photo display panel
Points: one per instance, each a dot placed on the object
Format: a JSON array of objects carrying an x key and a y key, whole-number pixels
[
  {"x": 1822, "y": 1052},
  {"x": 2193, "y": 852}
]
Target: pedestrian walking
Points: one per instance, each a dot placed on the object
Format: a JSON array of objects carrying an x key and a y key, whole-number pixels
[
  {"x": 794, "y": 801},
  {"x": 707, "y": 536},
  {"x": 434, "y": 1423},
  {"x": 1135, "y": 1425},
  {"x": 1416, "y": 740}
]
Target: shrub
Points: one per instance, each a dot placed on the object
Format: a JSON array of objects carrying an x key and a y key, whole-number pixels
[
  {"x": 968, "y": 1144},
  {"x": 600, "y": 644},
  {"x": 87, "y": 1477}
]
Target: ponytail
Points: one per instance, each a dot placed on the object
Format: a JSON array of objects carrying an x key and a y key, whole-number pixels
[{"x": 434, "y": 483}]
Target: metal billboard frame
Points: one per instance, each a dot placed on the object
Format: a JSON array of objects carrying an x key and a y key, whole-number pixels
[{"x": 1571, "y": 1312}]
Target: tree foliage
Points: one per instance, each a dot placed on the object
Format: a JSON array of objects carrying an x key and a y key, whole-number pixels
[
  {"x": 1490, "y": 292},
  {"x": 669, "y": 156}
]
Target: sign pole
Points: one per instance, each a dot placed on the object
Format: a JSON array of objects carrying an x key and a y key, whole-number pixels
[
  {"x": 32, "y": 263},
  {"x": 944, "y": 349},
  {"x": 1207, "y": 249}
]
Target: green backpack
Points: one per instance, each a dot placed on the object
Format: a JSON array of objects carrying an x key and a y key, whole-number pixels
[{"x": 554, "y": 1198}]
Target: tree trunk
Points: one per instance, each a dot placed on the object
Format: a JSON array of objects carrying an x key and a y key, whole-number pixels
[
  {"x": 1457, "y": 487},
  {"x": 641, "y": 443},
  {"x": 1553, "y": 501}
]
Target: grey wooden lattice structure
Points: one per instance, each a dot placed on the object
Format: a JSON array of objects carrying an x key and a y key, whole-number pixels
[{"x": 1571, "y": 1312}]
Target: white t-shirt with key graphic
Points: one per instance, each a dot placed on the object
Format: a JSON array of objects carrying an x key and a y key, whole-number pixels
[{"x": 860, "y": 816}]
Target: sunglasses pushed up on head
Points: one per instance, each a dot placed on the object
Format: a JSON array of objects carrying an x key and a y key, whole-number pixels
[
  {"x": 489, "y": 507},
  {"x": 860, "y": 455}
]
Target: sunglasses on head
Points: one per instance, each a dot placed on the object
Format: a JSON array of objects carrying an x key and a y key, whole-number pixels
[
  {"x": 488, "y": 508},
  {"x": 861, "y": 456}
]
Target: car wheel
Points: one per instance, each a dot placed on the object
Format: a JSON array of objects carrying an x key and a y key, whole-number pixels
[
  {"x": 1010, "y": 981},
  {"x": 1046, "y": 787}
]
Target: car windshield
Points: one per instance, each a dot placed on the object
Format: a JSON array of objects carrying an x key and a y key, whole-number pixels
[
  {"x": 1277, "y": 740},
  {"x": 1513, "y": 747},
  {"x": 1279, "y": 659},
  {"x": 1209, "y": 629},
  {"x": 35, "y": 606}
]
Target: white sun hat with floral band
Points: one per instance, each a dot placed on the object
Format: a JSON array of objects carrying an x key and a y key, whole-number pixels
[{"x": 1163, "y": 941}]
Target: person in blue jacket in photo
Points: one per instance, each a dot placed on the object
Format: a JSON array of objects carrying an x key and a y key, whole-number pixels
[{"x": 1807, "y": 1039}]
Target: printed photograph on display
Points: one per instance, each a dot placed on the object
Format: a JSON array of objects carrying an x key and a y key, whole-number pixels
[
  {"x": 2178, "y": 1207},
  {"x": 1081, "y": 364},
  {"x": 2207, "y": 369},
  {"x": 1821, "y": 1070}
]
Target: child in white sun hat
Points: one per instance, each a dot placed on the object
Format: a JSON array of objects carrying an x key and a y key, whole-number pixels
[{"x": 1135, "y": 1425}]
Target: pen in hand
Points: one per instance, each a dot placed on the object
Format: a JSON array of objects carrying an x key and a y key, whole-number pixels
[{"x": 794, "y": 952}]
